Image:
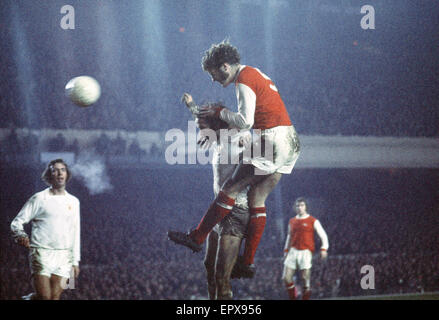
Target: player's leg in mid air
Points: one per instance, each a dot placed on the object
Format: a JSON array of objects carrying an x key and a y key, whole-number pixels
[
  {"x": 210, "y": 262},
  {"x": 281, "y": 149},
  {"x": 261, "y": 187},
  {"x": 256, "y": 198},
  {"x": 220, "y": 208}
]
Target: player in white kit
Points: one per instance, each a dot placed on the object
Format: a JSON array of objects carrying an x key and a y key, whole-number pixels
[
  {"x": 54, "y": 245},
  {"x": 224, "y": 241}
]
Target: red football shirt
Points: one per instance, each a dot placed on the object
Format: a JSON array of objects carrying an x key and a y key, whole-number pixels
[
  {"x": 302, "y": 233},
  {"x": 270, "y": 109}
]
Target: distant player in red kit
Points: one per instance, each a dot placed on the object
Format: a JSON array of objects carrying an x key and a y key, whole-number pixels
[
  {"x": 299, "y": 248},
  {"x": 260, "y": 108}
]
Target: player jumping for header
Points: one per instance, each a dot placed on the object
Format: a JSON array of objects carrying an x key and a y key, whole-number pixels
[{"x": 259, "y": 107}]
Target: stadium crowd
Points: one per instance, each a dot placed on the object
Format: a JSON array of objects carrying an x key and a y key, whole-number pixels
[
  {"x": 335, "y": 101},
  {"x": 387, "y": 219},
  {"x": 31, "y": 145},
  {"x": 126, "y": 255},
  {"x": 315, "y": 110}
]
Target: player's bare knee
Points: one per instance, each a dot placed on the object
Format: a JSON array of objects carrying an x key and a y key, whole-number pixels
[
  {"x": 288, "y": 275},
  {"x": 231, "y": 191},
  {"x": 306, "y": 277},
  {"x": 287, "y": 279}
]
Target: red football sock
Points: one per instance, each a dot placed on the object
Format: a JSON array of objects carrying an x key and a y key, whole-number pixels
[
  {"x": 221, "y": 207},
  {"x": 255, "y": 230},
  {"x": 292, "y": 291}
]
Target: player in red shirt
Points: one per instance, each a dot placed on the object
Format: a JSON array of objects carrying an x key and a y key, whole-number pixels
[
  {"x": 299, "y": 247},
  {"x": 260, "y": 108}
]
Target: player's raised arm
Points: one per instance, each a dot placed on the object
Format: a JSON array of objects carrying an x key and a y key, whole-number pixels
[{"x": 190, "y": 104}]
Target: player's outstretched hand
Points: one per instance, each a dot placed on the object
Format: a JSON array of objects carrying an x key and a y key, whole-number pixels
[
  {"x": 187, "y": 99},
  {"x": 323, "y": 254}
]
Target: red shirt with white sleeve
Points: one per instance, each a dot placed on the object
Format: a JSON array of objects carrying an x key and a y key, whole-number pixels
[
  {"x": 259, "y": 103},
  {"x": 301, "y": 233}
]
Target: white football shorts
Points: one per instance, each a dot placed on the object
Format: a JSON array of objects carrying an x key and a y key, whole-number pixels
[
  {"x": 298, "y": 259},
  {"x": 276, "y": 150},
  {"x": 46, "y": 262}
]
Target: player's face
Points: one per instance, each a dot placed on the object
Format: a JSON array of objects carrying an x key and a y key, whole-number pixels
[
  {"x": 223, "y": 75},
  {"x": 300, "y": 207},
  {"x": 59, "y": 175}
]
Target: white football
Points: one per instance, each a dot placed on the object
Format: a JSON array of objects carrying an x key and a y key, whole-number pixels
[{"x": 83, "y": 90}]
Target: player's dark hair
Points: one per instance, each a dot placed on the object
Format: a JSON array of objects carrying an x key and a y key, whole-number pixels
[
  {"x": 218, "y": 54},
  {"x": 301, "y": 199},
  {"x": 215, "y": 123},
  {"x": 46, "y": 176}
]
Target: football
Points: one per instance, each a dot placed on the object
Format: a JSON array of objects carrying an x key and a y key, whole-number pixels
[{"x": 83, "y": 90}]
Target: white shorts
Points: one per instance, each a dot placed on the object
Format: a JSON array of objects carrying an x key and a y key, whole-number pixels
[
  {"x": 298, "y": 259},
  {"x": 46, "y": 262},
  {"x": 277, "y": 150}
]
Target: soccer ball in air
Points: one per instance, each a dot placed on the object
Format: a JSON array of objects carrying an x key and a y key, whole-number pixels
[{"x": 83, "y": 90}]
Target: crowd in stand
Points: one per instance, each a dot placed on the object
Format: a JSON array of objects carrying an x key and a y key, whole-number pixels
[
  {"x": 30, "y": 144},
  {"x": 315, "y": 110},
  {"x": 319, "y": 103},
  {"x": 126, "y": 254}
]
